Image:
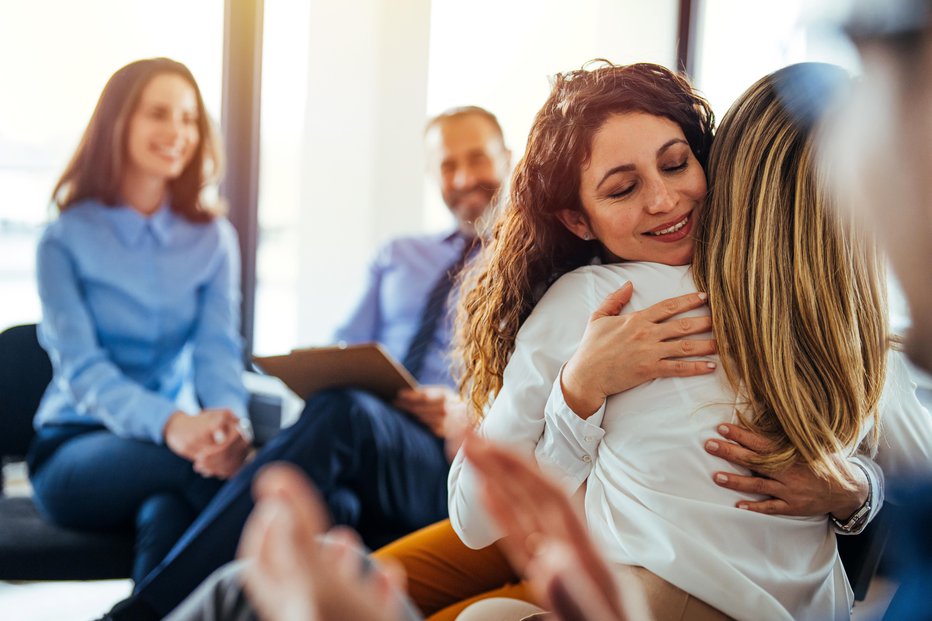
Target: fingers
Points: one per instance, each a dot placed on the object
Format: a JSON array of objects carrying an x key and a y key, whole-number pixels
[
  {"x": 688, "y": 348},
  {"x": 521, "y": 500},
  {"x": 747, "y": 439},
  {"x": 562, "y": 578},
  {"x": 291, "y": 485},
  {"x": 772, "y": 506},
  {"x": 615, "y": 301},
  {"x": 223, "y": 460},
  {"x": 731, "y": 452},
  {"x": 419, "y": 401},
  {"x": 684, "y": 368},
  {"x": 663, "y": 310},
  {"x": 684, "y": 326},
  {"x": 531, "y": 509},
  {"x": 762, "y": 486}
]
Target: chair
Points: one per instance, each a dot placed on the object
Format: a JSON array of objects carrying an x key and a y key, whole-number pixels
[{"x": 30, "y": 547}]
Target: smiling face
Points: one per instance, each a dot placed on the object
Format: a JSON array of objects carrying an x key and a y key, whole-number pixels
[
  {"x": 640, "y": 191},
  {"x": 468, "y": 156},
  {"x": 163, "y": 134}
]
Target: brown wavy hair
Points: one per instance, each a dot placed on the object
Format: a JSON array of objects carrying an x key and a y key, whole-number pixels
[
  {"x": 797, "y": 294},
  {"x": 98, "y": 164},
  {"x": 529, "y": 247}
]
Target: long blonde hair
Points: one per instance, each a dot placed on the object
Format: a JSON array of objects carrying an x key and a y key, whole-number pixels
[
  {"x": 530, "y": 248},
  {"x": 797, "y": 294}
]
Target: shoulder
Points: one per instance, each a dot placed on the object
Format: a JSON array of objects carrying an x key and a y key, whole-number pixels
[
  {"x": 223, "y": 231},
  {"x": 584, "y": 289},
  {"x": 76, "y": 223},
  {"x": 425, "y": 241},
  {"x": 413, "y": 248},
  {"x": 568, "y": 301},
  {"x": 217, "y": 233}
]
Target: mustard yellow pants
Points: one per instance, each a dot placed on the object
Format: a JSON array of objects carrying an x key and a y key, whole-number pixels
[{"x": 445, "y": 576}]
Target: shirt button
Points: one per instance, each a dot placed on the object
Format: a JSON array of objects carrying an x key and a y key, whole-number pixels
[
  {"x": 589, "y": 439},
  {"x": 586, "y": 458}
]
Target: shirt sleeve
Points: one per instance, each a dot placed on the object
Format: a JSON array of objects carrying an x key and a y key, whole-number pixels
[
  {"x": 83, "y": 369},
  {"x": 569, "y": 443},
  {"x": 218, "y": 346},
  {"x": 362, "y": 325},
  {"x": 515, "y": 419}
]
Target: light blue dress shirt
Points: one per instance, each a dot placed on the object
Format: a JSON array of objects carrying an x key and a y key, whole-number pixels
[
  {"x": 400, "y": 280},
  {"x": 140, "y": 317}
]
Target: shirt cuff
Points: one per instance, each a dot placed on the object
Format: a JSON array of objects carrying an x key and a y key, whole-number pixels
[
  {"x": 876, "y": 495},
  {"x": 569, "y": 444}
]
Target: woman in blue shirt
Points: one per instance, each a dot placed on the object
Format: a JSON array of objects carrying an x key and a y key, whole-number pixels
[{"x": 138, "y": 278}]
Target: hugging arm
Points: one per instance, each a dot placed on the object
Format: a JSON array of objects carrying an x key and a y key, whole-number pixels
[{"x": 904, "y": 447}]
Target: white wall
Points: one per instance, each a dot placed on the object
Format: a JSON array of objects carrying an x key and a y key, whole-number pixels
[
  {"x": 363, "y": 163},
  {"x": 378, "y": 68}
]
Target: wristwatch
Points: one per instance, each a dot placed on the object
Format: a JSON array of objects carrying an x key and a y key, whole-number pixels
[{"x": 857, "y": 520}]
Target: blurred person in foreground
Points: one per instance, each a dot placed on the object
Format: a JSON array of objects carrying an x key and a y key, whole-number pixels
[{"x": 881, "y": 148}]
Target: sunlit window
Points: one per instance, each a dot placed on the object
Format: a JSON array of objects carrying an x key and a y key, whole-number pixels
[
  {"x": 284, "y": 100},
  {"x": 740, "y": 42}
]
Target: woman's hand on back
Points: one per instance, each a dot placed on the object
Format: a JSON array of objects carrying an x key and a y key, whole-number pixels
[
  {"x": 619, "y": 352},
  {"x": 797, "y": 490}
]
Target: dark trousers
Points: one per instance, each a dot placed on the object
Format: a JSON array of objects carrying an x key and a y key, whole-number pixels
[
  {"x": 88, "y": 478},
  {"x": 910, "y": 551},
  {"x": 378, "y": 470}
]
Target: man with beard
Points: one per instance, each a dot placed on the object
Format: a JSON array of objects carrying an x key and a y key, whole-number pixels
[{"x": 380, "y": 467}]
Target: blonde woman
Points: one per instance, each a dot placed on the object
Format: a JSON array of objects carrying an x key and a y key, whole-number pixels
[{"x": 797, "y": 304}]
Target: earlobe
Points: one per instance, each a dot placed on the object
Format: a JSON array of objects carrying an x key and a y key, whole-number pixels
[{"x": 576, "y": 223}]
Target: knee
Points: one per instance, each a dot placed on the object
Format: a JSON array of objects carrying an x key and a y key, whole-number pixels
[
  {"x": 163, "y": 515},
  {"x": 342, "y": 410}
]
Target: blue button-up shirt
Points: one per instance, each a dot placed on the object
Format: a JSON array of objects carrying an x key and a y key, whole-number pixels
[
  {"x": 400, "y": 280},
  {"x": 140, "y": 317}
]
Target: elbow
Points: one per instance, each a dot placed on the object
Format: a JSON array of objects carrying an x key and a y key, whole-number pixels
[{"x": 467, "y": 536}]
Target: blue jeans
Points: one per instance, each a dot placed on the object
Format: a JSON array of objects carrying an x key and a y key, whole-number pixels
[
  {"x": 86, "y": 477},
  {"x": 377, "y": 469}
]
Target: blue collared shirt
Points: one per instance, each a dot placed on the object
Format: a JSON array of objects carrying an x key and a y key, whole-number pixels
[
  {"x": 140, "y": 317},
  {"x": 400, "y": 280}
]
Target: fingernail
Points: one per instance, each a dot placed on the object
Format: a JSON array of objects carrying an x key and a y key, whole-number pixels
[
  {"x": 711, "y": 445},
  {"x": 703, "y": 296},
  {"x": 721, "y": 478},
  {"x": 723, "y": 429},
  {"x": 743, "y": 506},
  {"x": 711, "y": 365}
]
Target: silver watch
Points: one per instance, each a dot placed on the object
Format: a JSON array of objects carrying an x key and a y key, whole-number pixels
[{"x": 857, "y": 520}]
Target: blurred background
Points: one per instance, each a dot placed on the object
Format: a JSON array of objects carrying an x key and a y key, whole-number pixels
[{"x": 341, "y": 93}]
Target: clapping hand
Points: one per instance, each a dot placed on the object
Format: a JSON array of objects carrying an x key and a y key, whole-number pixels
[
  {"x": 300, "y": 572},
  {"x": 547, "y": 541}
]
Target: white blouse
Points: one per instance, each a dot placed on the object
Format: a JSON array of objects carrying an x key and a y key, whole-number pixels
[{"x": 650, "y": 500}]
